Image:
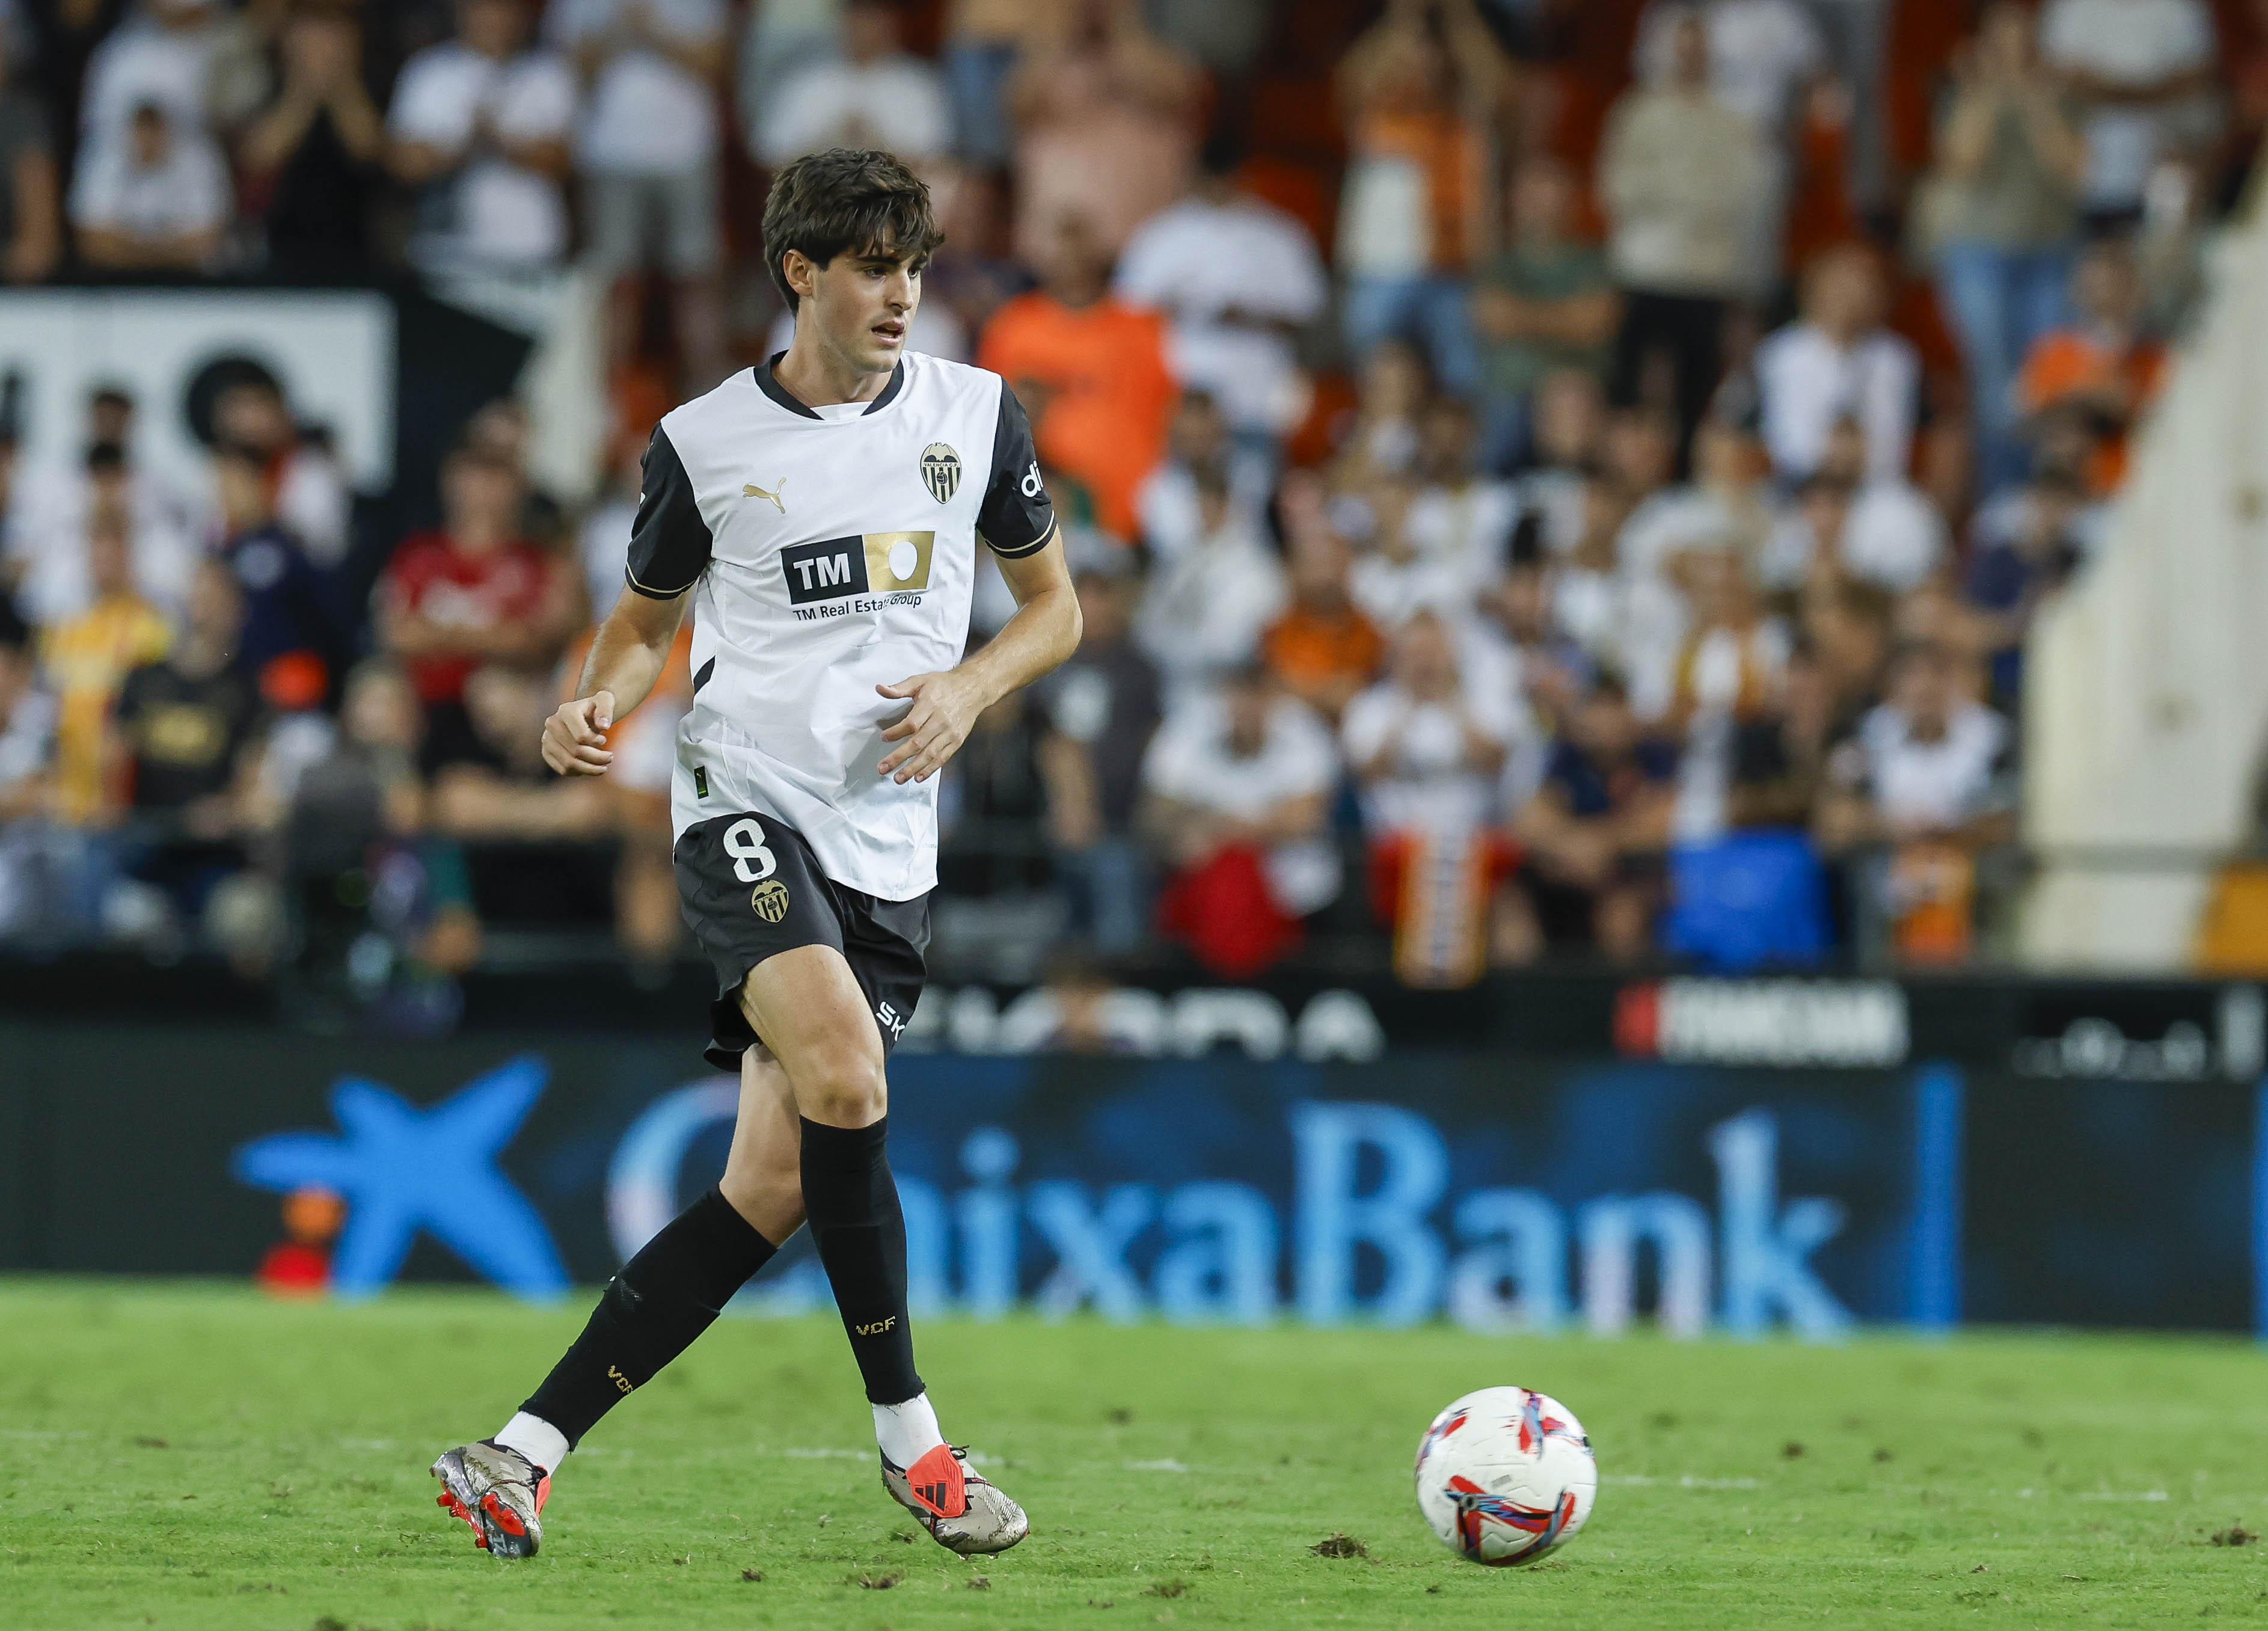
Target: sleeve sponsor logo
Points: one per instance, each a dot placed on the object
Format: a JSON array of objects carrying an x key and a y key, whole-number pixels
[{"x": 834, "y": 576}]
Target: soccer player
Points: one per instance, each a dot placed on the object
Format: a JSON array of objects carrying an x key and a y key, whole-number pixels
[{"x": 822, "y": 514}]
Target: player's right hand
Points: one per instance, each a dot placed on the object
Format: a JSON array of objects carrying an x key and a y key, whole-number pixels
[{"x": 575, "y": 736}]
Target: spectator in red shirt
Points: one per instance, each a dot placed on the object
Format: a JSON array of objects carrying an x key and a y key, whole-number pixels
[{"x": 473, "y": 592}]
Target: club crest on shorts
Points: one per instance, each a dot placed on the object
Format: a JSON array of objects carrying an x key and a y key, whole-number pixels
[
  {"x": 940, "y": 468},
  {"x": 770, "y": 900}
]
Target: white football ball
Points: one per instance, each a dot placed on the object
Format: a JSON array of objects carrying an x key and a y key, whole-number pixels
[{"x": 1505, "y": 1475}]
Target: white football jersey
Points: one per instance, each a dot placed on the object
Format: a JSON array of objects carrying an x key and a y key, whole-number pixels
[{"x": 830, "y": 551}]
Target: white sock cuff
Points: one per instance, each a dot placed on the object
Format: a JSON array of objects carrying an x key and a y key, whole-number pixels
[
  {"x": 906, "y": 1433},
  {"x": 536, "y": 1439}
]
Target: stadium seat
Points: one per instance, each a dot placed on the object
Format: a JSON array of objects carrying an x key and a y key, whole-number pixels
[{"x": 1746, "y": 900}]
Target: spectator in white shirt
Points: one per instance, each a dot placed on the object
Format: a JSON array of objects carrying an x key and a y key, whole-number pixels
[
  {"x": 45, "y": 533},
  {"x": 1427, "y": 747},
  {"x": 1728, "y": 505},
  {"x": 1931, "y": 762},
  {"x": 1202, "y": 610},
  {"x": 1837, "y": 362},
  {"x": 1460, "y": 517},
  {"x": 157, "y": 202},
  {"x": 2143, "y": 69},
  {"x": 204, "y": 67},
  {"x": 870, "y": 93},
  {"x": 1245, "y": 769},
  {"x": 647, "y": 152},
  {"x": 1569, "y": 421},
  {"x": 1883, "y": 531},
  {"x": 482, "y": 123},
  {"x": 1240, "y": 278},
  {"x": 781, "y": 36},
  {"x": 1394, "y": 578},
  {"x": 1167, "y": 504}
]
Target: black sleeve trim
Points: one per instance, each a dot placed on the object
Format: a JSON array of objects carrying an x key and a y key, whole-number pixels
[
  {"x": 1017, "y": 517},
  {"x": 1029, "y": 550},
  {"x": 670, "y": 543}
]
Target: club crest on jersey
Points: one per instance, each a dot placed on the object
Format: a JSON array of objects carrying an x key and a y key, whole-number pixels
[
  {"x": 940, "y": 468},
  {"x": 770, "y": 900}
]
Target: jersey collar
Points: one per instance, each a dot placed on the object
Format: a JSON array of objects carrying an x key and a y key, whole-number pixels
[{"x": 786, "y": 398}]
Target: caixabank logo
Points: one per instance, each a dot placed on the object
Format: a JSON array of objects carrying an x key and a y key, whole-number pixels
[{"x": 834, "y": 576}]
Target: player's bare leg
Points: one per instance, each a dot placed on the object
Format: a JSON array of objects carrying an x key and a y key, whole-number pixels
[
  {"x": 664, "y": 1297},
  {"x": 806, "y": 1004}
]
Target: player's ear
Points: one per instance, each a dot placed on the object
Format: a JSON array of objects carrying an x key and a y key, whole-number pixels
[{"x": 802, "y": 273}]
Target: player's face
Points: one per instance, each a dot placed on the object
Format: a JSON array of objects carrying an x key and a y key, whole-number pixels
[{"x": 862, "y": 305}]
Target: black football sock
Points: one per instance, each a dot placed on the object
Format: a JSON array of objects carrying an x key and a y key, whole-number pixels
[
  {"x": 851, "y": 1203},
  {"x": 665, "y": 1296}
]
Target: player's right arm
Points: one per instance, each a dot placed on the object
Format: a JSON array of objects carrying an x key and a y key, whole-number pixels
[
  {"x": 626, "y": 659},
  {"x": 670, "y": 546}
]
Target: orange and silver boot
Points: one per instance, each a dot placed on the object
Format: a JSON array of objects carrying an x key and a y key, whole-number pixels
[
  {"x": 499, "y": 1492},
  {"x": 962, "y": 1510}
]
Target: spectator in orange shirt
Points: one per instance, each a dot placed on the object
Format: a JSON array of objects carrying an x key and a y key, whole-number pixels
[
  {"x": 2103, "y": 371},
  {"x": 1322, "y": 649},
  {"x": 1093, "y": 372}
]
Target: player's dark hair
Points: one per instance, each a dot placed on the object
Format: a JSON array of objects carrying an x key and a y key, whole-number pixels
[{"x": 846, "y": 199}]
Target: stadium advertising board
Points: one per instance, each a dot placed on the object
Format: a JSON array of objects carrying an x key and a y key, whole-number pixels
[
  {"x": 333, "y": 351},
  {"x": 1501, "y": 1190}
]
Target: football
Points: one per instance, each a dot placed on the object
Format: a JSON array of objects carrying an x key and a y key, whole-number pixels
[{"x": 1506, "y": 1475}]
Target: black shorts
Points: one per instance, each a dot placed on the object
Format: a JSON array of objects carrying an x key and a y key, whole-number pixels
[{"x": 750, "y": 888}]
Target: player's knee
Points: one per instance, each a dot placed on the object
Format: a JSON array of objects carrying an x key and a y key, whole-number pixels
[
  {"x": 841, "y": 1085},
  {"x": 760, "y": 1174}
]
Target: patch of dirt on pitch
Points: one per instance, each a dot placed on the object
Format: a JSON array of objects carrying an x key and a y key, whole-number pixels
[
  {"x": 2235, "y": 1535},
  {"x": 877, "y": 1582},
  {"x": 1339, "y": 1544},
  {"x": 1168, "y": 1587}
]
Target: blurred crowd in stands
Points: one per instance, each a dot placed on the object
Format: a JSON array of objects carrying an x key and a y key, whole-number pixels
[{"x": 1543, "y": 476}]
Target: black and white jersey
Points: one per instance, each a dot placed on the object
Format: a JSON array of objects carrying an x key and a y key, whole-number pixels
[{"x": 834, "y": 549}]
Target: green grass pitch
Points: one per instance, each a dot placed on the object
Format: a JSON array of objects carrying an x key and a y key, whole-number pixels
[{"x": 188, "y": 1455}]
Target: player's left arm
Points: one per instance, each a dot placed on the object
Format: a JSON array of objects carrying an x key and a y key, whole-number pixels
[
  {"x": 1043, "y": 632},
  {"x": 1016, "y": 520}
]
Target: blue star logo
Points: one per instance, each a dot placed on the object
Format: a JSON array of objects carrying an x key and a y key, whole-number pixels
[{"x": 402, "y": 1169}]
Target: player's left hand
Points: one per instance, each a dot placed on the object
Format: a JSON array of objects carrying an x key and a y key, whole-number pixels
[{"x": 931, "y": 732}]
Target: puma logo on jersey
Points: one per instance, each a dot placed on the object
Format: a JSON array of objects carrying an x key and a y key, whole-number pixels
[{"x": 778, "y": 487}]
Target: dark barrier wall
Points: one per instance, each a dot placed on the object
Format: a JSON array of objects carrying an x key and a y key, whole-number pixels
[{"x": 1497, "y": 1190}]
